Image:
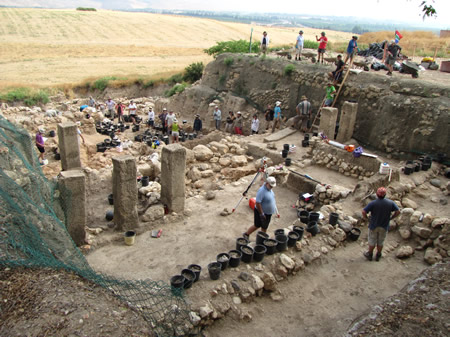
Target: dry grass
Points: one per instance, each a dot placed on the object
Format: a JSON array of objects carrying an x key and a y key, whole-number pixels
[
  {"x": 44, "y": 47},
  {"x": 413, "y": 43}
]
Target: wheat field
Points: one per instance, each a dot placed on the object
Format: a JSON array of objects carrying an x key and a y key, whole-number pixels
[{"x": 50, "y": 47}]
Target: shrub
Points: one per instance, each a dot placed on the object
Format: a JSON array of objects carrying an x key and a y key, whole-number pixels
[
  {"x": 148, "y": 84},
  {"x": 228, "y": 61},
  {"x": 102, "y": 83},
  {"x": 222, "y": 79},
  {"x": 177, "y": 78},
  {"x": 26, "y": 95},
  {"x": 88, "y": 9},
  {"x": 288, "y": 70},
  {"x": 177, "y": 88},
  {"x": 239, "y": 46},
  {"x": 193, "y": 72}
]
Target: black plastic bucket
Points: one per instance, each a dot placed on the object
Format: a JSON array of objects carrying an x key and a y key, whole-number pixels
[
  {"x": 247, "y": 254},
  {"x": 315, "y": 134},
  {"x": 281, "y": 242},
  {"x": 286, "y": 147},
  {"x": 354, "y": 234},
  {"x": 235, "y": 258},
  {"x": 260, "y": 237},
  {"x": 271, "y": 246},
  {"x": 279, "y": 231},
  {"x": 145, "y": 180},
  {"x": 52, "y": 133},
  {"x": 333, "y": 219},
  {"x": 189, "y": 278},
  {"x": 306, "y": 136},
  {"x": 299, "y": 230},
  {"x": 314, "y": 216},
  {"x": 304, "y": 216},
  {"x": 240, "y": 242},
  {"x": 111, "y": 199},
  {"x": 417, "y": 165},
  {"x": 312, "y": 228},
  {"x": 288, "y": 161},
  {"x": 109, "y": 216},
  {"x": 410, "y": 169},
  {"x": 259, "y": 252},
  {"x": 284, "y": 153},
  {"x": 292, "y": 238},
  {"x": 305, "y": 143},
  {"x": 224, "y": 259},
  {"x": 196, "y": 269},
  {"x": 214, "y": 269},
  {"x": 426, "y": 166},
  {"x": 177, "y": 284}
]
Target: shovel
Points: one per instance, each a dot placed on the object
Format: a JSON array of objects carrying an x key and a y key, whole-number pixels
[{"x": 307, "y": 177}]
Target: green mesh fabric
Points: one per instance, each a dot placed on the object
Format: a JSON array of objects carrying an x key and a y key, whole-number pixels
[{"x": 33, "y": 234}]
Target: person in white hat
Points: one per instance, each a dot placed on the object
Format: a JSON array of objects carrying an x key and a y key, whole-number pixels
[
  {"x": 238, "y": 123},
  {"x": 265, "y": 207},
  {"x": 276, "y": 116},
  {"x": 299, "y": 46},
  {"x": 175, "y": 128},
  {"x": 151, "y": 118}
]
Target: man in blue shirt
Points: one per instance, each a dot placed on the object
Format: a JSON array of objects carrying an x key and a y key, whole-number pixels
[
  {"x": 276, "y": 116},
  {"x": 380, "y": 211},
  {"x": 264, "y": 208},
  {"x": 351, "y": 49}
]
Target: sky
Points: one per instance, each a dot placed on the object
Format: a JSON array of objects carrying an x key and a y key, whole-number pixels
[{"x": 391, "y": 11}]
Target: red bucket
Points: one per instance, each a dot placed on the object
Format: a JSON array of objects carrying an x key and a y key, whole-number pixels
[{"x": 252, "y": 203}]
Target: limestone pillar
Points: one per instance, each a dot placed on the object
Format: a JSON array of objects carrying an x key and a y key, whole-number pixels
[
  {"x": 347, "y": 121},
  {"x": 69, "y": 146},
  {"x": 173, "y": 165},
  {"x": 125, "y": 192},
  {"x": 328, "y": 118},
  {"x": 73, "y": 193}
]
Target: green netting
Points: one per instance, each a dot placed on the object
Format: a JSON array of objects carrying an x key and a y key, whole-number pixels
[{"x": 33, "y": 234}]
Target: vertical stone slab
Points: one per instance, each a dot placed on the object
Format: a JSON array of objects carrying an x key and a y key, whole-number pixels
[
  {"x": 72, "y": 186},
  {"x": 347, "y": 122},
  {"x": 69, "y": 146},
  {"x": 125, "y": 192},
  {"x": 328, "y": 118},
  {"x": 173, "y": 166}
]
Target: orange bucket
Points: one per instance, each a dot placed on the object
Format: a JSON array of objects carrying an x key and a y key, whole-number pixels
[{"x": 252, "y": 203}]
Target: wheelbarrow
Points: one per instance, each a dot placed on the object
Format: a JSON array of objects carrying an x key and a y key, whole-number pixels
[{"x": 410, "y": 68}]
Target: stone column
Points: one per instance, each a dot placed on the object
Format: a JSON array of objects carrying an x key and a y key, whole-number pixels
[
  {"x": 125, "y": 192},
  {"x": 328, "y": 118},
  {"x": 69, "y": 146},
  {"x": 347, "y": 121},
  {"x": 173, "y": 165},
  {"x": 73, "y": 193}
]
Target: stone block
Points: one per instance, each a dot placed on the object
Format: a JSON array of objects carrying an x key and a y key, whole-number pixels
[
  {"x": 173, "y": 165},
  {"x": 328, "y": 118},
  {"x": 69, "y": 146},
  {"x": 347, "y": 121}
]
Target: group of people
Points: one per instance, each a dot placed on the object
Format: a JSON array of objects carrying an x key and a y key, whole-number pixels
[{"x": 112, "y": 109}]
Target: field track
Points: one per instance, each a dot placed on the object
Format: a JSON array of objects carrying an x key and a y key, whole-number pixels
[{"x": 44, "y": 47}]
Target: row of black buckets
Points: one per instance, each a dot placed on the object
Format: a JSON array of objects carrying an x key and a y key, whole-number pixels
[
  {"x": 423, "y": 163},
  {"x": 185, "y": 279}
]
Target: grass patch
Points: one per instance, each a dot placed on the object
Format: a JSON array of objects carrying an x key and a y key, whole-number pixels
[
  {"x": 102, "y": 83},
  {"x": 239, "y": 46},
  {"x": 289, "y": 69},
  {"x": 28, "y": 96},
  {"x": 228, "y": 61},
  {"x": 222, "y": 79},
  {"x": 177, "y": 88}
]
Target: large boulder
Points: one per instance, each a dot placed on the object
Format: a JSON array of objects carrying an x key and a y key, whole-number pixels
[
  {"x": 238, "y": 161},
  {"x": 202, "y": 153},
  {"x": 432, "y": 256},
  {"x": 153, "y": 213}
]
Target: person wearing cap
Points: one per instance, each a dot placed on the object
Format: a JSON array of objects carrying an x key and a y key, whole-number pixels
[
  {"x": 110, "y": 106},
  {"x": 268, "y": 114},
  {"x": 40, "y": 144},
  {"x": 299, "y": 46},
  {"x": 162, "y": 117},
  {"x": 151, "y": 118},
  {"x": 337, "y": 74},
  {"x": 175, "y": 128},
  {"x": 322, "y": 46},
  {"x": 276, "y": 116},
  {"x": 265, "y": 207},
  {"x": 391, "y": 53},
  {"x": 132, "y": 109},
  {"x": 229, "y": 123},
  {"x": 217, "y": 115},
  {"x": 352, "y": 48},
  {"x": 330, "y": 92},
  {"x": 303, "y": 114},
  {"x": 238, "y": 123},
  {"x": 264, "y": 43},
  {"x": 255, "y": 124},
  {"x": 380, "y": 215},
  {"x": 198, "y": 125}
]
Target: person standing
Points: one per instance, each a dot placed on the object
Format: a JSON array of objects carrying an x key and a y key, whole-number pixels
[
  {"x": 276, "y": 116},
  {"x": 255, "y": 124},
  {"x": 162, "y": 118},
  {"x": 337, "y": 74},
  {"x": 380, "y": 211},
  {"x": 91, "y": 102},
  {"x": 264, "y": 43},
  {"x": 322, "y": 46},
  {"x": 352, "y": 48},
  {"x": 197, "y": 124},
  {"x": 110, "y": 106},
  {"x": 175, "y": 128},
  {"x": 169, "y": 121},
  {"x": 238, "y": 124},
  {"x": 217, "y": 115},
  {"x": 391, "y": 53},
  {"x": 120, "y": 108},
  {"x": 132, "y": 109},
  {"x": 303, "y": 114},
  {"x": 151, "y": 118},
  {"x": 265, "y": 207},
  {"x": 80, "y": 135},
  {"x": 229, "y": 123},
  {"x": 299, "y": 46},
  {"x": 268, "y": 114},
  {"x": 331, "y": 90},
  {"x": 40, "y": 144}
]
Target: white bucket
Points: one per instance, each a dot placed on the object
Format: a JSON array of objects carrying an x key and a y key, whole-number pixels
[{"x": 384, "y": 168}]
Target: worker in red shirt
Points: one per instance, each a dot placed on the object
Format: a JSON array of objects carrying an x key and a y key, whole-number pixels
[{"x": 322, "y": 46}]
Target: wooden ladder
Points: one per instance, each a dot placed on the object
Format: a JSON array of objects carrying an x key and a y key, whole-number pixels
[{"x": 342, "y": 83}]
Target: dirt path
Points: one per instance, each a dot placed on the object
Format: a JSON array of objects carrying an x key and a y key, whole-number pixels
[{"x": 325, "y": 298}]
